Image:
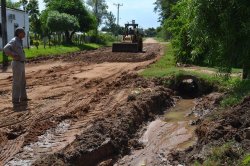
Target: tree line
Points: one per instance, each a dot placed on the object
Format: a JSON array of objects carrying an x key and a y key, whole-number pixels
[
  {"x": 208, "y": 32},
  {"x": 65, "y": 17}
]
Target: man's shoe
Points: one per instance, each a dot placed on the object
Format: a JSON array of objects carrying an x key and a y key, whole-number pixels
[
  {"x": 16, "y": 103},
  {"x": 21, "y": 106},
  {"x": 25, "y": 100}
]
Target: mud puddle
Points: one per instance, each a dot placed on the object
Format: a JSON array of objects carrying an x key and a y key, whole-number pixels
[
  {"x": 180, "y": 115},
  {"x": 169, "y": 132},
  {"x": 53, "y": 140}
]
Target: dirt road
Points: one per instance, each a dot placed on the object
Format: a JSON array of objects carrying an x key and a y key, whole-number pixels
[
  {"x": 86, "y": 109},
  {"x": 70, "y": 96}
]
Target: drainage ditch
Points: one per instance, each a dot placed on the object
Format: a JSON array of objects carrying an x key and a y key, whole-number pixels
[{"x": 113, "y": 139}]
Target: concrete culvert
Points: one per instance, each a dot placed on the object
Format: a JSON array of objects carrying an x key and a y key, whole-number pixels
[{"x": 188, "y": 86}]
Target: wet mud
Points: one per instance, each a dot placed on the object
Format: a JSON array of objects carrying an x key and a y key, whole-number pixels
[
  {"x": 110, "y": 134},
  {"x": 168, "y": 132},
  {"x": 92, "y": 108},
  {"x": 80, "y": 110},
  {"x": 218, "y": 128}
]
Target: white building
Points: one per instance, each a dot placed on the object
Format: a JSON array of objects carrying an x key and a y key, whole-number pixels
[{"x": 15, "y": 18}]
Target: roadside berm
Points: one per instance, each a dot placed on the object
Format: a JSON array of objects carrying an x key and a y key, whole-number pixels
[{"x": 223, "y": 136}]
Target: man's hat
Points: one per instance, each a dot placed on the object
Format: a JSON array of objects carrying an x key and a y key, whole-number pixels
[{"x": 19, "y": 30}]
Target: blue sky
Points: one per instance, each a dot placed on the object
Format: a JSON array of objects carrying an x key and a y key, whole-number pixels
[{"x": 142, "y": 11}]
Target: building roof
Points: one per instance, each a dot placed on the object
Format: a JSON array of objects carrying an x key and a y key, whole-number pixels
[{"x": 13, "y": 9}]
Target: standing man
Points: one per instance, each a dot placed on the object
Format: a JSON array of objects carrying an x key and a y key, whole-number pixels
[{"x": 15, "y": 50}]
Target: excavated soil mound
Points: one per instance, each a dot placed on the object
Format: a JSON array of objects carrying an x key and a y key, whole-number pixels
[
  {"x": 229, "y": 126},
  {"x": 112, "y": 134},
  {"x": 105, "y": 54},
  {"x": 233, "y": 125}
]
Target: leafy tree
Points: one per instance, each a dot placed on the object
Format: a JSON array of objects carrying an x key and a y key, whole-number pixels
[
  {"x": 210, "y": 32},
  {"x": 110, "y": 24},
  {"x": 23, "y": 3},
  {"x": 59, "y": 22},
  {"x": 74, "y": 8},
  {"x": 33, "y": 10},
  {"x": 224, "y": 27},
  {"x": 178, "y": 25},
  {"x": 150, "y": 32},
  {"x": 12, "y": 5},
  {"x": 165, "y": 10},
  {"x": 99, "y": 8},
  {"x": 43, "y": 20},
  {"x": 163, "y": 7}
]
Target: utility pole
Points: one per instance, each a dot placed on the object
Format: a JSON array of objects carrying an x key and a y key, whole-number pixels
[
  {"x": 96, "y": 14},
  {"x": 118, "y": 10},
  {"x": 4, "y": 32}
]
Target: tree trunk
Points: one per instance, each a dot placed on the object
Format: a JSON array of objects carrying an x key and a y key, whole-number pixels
[
  {"x": 69, "y": 37},
  {"x": 49, "y": 41},
  {"x": 246, "y": 72}
]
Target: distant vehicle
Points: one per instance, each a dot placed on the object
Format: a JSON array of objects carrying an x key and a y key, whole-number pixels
[{"x": 132, "y": 40}]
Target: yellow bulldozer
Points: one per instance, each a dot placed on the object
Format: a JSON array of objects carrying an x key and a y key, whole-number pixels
[{"x": 131, "y": 40}]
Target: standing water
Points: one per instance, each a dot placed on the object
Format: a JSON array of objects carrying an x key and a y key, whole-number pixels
[{"x": 171, "y": 132}]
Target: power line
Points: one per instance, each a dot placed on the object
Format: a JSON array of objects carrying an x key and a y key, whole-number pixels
[{"x": 118, "y": 10}]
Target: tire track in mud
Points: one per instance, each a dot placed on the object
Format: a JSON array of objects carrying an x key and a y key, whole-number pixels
[
  {"x": 34, "y": 119},
  {"x": 108, "y": 135},
  {"x": 58, "y": 96},
  {"x": 45, "y": 113}
]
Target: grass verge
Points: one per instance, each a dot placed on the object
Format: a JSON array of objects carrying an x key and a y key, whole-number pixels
[
  {"x": 55, "y": 50},
  {"x": 236, "y": 88},
  {"x": 227, "y": 154},
  {"x": 246, "y": 160}
]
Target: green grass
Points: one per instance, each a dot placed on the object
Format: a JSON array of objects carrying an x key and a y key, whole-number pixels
[
  {"x": 159, "y": 39},
  {"x": 234, "y": 70},
  {"x": 236, "y": 88},
  {"x": 246, "y": 160},
  {"x": 226, "y": 154},
  {"x": 164, "y": 67},
  {"x": 238, "y": 91},
  {"x": 58, "y": 50}
]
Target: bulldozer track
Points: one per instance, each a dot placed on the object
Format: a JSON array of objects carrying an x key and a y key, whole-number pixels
[{"x": 68, "y": 97}]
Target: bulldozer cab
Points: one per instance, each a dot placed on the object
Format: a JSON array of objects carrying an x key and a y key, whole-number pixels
[
  {"x": 131, "y": 29},
  {"x": 131, "y": 41}
]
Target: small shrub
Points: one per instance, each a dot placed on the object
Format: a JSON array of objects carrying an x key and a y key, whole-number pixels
[
  {"x": 246, "y": 160},
  {"x": 226, "y": 154},
  {"x": 36, "y": 43}
]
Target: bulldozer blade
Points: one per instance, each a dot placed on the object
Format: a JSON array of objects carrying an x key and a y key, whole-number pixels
[{"x": 125, "y": 47}]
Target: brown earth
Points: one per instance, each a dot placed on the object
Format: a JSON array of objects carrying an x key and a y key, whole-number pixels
[
  {"x": 166, "y": 133},
  {"x": 85, "y": 108},
  {"x": 216, "y": 128},
  {"x": 92, "y": 108}
]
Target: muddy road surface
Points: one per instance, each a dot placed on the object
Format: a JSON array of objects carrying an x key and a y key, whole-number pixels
[
  {"x": 76, "y": 100},
  {"x": 85, "y": 108}
]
